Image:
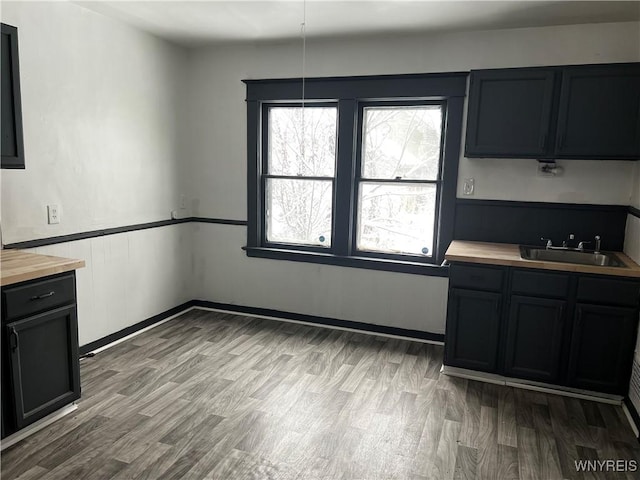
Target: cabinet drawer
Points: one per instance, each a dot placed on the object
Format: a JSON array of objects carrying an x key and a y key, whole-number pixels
[
  {"x": 538, "y": 283},
  {"x": 476, "y": 278},
  {"x": 38, "y": 296},
  {"x": 605, "y": 290}
]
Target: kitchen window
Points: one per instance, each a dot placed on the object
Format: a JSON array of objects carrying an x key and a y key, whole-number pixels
[{"x": 361, "y": 173}]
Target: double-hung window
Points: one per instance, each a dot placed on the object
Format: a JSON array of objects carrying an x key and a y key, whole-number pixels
[
  {"x": 299, "y": 165},
  {"x": 361, "y": 173}
]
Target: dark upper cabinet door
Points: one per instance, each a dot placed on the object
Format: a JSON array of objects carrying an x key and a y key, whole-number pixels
[
  {"x": 43, "y": 363},
  {"x": 602, "y": 346},
  {"x": 534, "y": 338},
  {"x": 509, "y": 113},
  {"x": 11, "y": 141},
  {"x": 473, "y": 326},
  {"x": 599, "y": 113}
]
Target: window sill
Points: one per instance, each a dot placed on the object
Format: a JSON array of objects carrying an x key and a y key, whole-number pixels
[{"x": 415, "y": 268}]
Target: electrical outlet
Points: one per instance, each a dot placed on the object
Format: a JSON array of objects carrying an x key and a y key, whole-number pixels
[
  {"x": 53, "y": 214},
  {"x": 468, "y": 186}
]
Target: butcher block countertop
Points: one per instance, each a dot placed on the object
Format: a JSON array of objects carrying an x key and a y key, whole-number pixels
[
  {"x": 19, "y": 266},
  {"x": 509, "y": 255}
]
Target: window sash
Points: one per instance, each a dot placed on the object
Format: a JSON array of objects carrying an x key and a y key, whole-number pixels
[
  {"x": 265, "y": 176},
  {"x": 427, "y": 258},
  {"x": 359, "y": 179}
]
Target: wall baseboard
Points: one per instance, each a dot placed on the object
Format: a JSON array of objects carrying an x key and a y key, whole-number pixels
[
  {"x": 263, "y": 312},
  {"x": 125, "y": 332},
  {"x": 331, "y": 322}
]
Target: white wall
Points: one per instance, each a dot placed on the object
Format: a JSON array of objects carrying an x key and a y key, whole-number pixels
[
  {"x": 217, "y": 139},
  {"x": 128, "y": 277},
  {"x": 102, "y": 116},
  {"x": 225, "y": 274},
  {"x": 100, "y": 102}
]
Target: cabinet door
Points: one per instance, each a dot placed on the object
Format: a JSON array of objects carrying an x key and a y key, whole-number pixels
[
  {"x": 509, "y": 113},
  {"x": 43, "y": 363},
  {"x": 602, "y": 348},
  {"x": 473, "y": 323},
  {"x": 534, "y": 338},
  {"x": 11, "y": 141},
  {"x": 599, "y": 113}
]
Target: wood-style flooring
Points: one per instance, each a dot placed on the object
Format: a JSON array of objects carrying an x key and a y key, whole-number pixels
[{"x": 218, "y": 396}]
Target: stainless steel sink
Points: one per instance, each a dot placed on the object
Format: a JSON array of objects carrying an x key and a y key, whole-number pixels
[{"x": 570, "y": 256}]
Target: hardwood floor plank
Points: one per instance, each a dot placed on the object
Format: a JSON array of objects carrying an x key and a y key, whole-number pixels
[
  {"x": 488, "y": 442},
  {"x": 529, "y": 459},
  {"x": 445, "y": 464},
  {"x": 34, "y": 473},
  {"x": 507, "y": 423},
  {"x": 466, "y": 463},
  {"x": 470, "y": 425},
  {"x": 508, "y": 468}
]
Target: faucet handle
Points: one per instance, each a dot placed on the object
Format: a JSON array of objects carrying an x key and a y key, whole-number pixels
[
  {"x": 581, "y": 245},
  {"x": 548, "y": 240}
]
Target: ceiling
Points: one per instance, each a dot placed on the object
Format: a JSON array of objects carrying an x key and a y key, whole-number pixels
[{"x": 193, "y": 23}]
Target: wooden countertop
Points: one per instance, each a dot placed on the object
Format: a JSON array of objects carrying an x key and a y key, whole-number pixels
[
  {"x": 509, "y": 255},
  {"x": 18, "y": 266}
]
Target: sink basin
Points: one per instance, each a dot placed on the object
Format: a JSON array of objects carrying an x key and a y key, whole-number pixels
[{"x": 570, "y": 256}]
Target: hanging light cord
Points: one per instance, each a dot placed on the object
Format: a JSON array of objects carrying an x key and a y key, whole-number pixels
[{"x": 303, "y": 33}]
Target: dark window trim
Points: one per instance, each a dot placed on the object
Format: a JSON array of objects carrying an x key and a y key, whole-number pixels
[
  {"x": 14, "y": 161},
  {"x": 369, "y": 263},
  {"x": 351, "y": 94}
]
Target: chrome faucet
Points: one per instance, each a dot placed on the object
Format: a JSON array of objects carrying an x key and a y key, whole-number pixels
[
  {"x": 597, "y": 249},
  {"x": 549, "y": 242}
]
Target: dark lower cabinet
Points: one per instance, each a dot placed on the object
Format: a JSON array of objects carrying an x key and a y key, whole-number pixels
[
  {"x": 534, "y": 338},
  {"x": 473, "y": 327},
  {"x": 43, "y": 353},
  {"x": 602, "y": 347},
  {"x": 40, "y": 368},
  {"x": 557, "y": 328}
]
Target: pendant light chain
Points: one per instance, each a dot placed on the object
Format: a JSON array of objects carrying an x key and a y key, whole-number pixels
[{"x": 303, "y": 33}]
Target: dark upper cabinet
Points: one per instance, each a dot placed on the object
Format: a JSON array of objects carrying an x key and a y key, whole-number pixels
[
  {"x": 601, "y": 350},
  {"x": 534, "y": 338},
  {"x": 509, "y": 112},
  {"x": 600, "y": 112},
  {"x": 11, "y": 141},
  {"x": 581, "y": 112},
  {"x": 473, "y": 328},
  {"x": 43, "y": 364}
]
